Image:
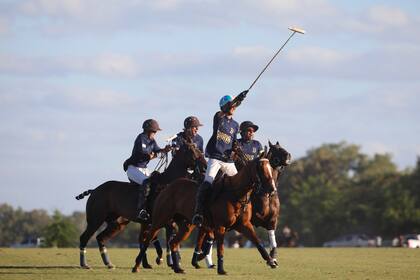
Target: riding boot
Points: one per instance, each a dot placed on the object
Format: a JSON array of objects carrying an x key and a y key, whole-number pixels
[
  {"x": 141, "y": 205},
  {"x": 201, "y": 198}
]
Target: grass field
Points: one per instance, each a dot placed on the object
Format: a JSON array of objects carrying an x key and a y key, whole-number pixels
[{"x": 302, "y": 263}]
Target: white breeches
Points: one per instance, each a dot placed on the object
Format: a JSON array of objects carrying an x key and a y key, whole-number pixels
[
  {"x": 214, "y": 165},
  {"x": 137, "y": 174}
]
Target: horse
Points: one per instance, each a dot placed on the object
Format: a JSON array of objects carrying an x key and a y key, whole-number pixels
[
  {"x": 265, "y": 206},
  {"x": 115, "y": 203},
  {"x": 227, "y": 211}
]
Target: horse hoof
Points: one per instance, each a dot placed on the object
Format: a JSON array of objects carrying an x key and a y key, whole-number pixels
[
  {"x": 272, "y": 263},
  {"x": 179, "y": 270},
  {"x": 85, "y": 267},
  {"x": 211, "y": 266},
  {"x": 196, "y": 265},
  {"x": 221, "y": 272},
  {"x": 147, "y": 266},
  {"x": 159, "y": 260},
  {"x": 110, "y": 266},
  {"x": 135, "y": 270},
  {"x": 275, "y": 262}
]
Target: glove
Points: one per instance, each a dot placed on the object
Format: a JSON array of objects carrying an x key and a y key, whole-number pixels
[
  {"x": 167, "y": 148},
  {"x": 238, "y": 99},
  {"x": 242, "y": 95}
]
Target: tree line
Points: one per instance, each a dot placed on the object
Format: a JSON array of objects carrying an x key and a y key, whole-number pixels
[{"x": 334, "y": 189}]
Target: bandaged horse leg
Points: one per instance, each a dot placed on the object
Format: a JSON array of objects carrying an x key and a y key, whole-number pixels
[
  {"x": 198, "y": 248},
  {"x": 143, "y": 248},
  {"x": 220, "y": 236},
  {"x": 83, "y": 262},
  {"x": 273, "y": 245},
  {"x": 183, "y": 233},
  {"x": 84, "y": 238},
  {"x": 112, "y": 229},
  {"x": 248, "y": 230},
  {"x": 170, "y": 233},
  {"x": 209, "y": 259},
  {"x": 159, "y": 251},
  {"x": 142, "y": 239}
]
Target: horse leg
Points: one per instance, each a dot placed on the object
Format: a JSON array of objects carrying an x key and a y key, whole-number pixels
[
  {"x": 143, "y": 246},
  {"x": 142, "y": 236},
  {"x": 207, "y": 245},
  {"x": 91, "y": 228},
  {"x": 273, "y": 245},
  {"x": 208, "y": 251},
  {"x": 112, "y": 229},
  {"x": 220, "y": 237},
  {"x": 248, "y": 230},
  {"x": 159, "y": 251},
  {"x": 169, "y": 232},
  {"x": 198, "y": 246},
  {"x": 183, "y": 233}
]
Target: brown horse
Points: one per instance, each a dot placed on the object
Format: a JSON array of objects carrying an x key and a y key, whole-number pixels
[
  {"x": 230, "y": 198},
  {"x": 115, "y": 202},
  {"x": 265, "y": 206}
]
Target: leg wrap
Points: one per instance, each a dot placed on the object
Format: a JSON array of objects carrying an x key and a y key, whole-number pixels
[
  {"x": 104, "y": 255},
  {"x": 158, "y": 247},
  {"x": 220, "y": 268},
  {"x": 209, "y": 260},
  {"x": 83, "y": 262},
  {"x": 272, "y": 238},
  {"x": 263, "y": 252}
]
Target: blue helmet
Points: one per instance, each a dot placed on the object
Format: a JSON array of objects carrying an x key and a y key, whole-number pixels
[{"x": 225, "y": 100}]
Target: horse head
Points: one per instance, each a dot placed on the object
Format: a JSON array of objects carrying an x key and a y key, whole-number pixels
[
  {"x": 263, "y": 175},
  {"x": 192, "y": 156},
  {"x": 278, "y": 156}
]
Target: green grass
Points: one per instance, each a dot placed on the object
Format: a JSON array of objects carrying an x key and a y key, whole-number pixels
[{"x": 302, "y": 263}]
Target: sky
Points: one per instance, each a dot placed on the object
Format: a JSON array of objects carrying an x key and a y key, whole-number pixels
[{"x": 78, "y": 78}]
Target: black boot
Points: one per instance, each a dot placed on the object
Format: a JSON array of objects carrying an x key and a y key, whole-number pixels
[
  {"x": 141, "y": 205},
  {"x": 203, "y": 193}
]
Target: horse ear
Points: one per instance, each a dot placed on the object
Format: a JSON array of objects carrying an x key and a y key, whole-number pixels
[
  {"x": 265, "y": 151},
  {"x": 269, "y": 153},
  {"x": 269, "y": 144},
  {"x": 278, "y": 144}
]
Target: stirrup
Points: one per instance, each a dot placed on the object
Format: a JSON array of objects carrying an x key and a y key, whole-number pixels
[
  {"x": 143, "y": 215},
  {"x": 197, "y": 220}
]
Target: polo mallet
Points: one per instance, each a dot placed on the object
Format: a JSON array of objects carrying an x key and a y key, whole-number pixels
[{"x": 294, "y": 31}]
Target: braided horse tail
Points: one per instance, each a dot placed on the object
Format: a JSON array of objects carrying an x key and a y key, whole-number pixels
[{"x": 83, "y": 194}]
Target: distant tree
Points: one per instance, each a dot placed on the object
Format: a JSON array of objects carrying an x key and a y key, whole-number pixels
[
  {"x": 61, "y": 232},
  {"x": 9, "y": 233}
]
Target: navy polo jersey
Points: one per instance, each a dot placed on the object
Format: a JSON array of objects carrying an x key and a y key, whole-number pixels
[
  {"x": 251, "y": 148},
  {"x": 143, "y": 147},
  {"x": 224, "y": 135},
  {"x": 180, "y": 138}
]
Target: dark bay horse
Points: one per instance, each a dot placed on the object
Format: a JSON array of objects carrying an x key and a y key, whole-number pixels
[
  {"x": 230, "y": 198},
  {"x": 265, "y": 206},
  {"x": 115, "y": 202}
]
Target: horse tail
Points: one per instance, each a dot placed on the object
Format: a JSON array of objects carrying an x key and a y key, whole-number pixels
[{"x": 83, "y": 194}]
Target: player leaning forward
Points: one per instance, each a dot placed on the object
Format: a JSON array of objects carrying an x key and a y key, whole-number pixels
[{"x": 218, "y": 150}]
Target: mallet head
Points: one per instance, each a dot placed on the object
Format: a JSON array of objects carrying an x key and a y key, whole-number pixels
[{"x": 298, "y": 30}]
